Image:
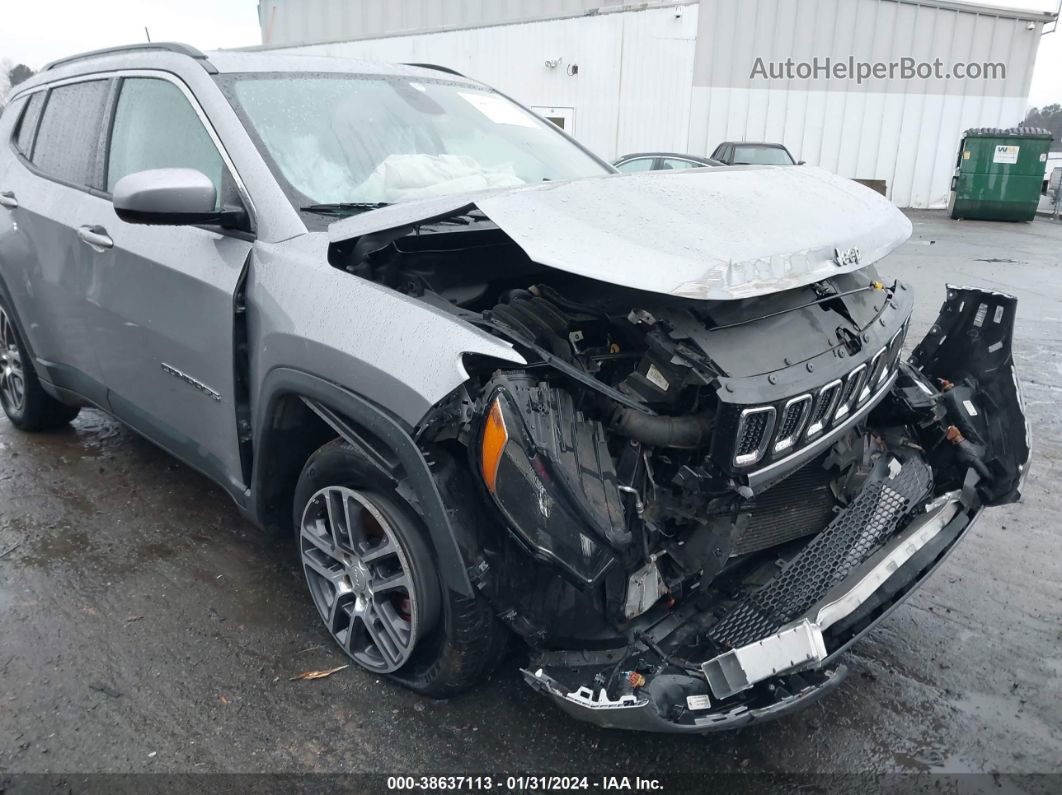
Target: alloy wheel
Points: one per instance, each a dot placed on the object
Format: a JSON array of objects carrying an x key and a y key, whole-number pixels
[
  {"x": 360, "y": 577},
  {"x": 12, "y": 378}
]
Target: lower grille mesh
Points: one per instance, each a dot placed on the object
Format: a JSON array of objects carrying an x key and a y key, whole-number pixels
[{"x": 849, "y": 541}]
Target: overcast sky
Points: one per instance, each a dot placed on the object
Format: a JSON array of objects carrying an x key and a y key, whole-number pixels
[{"x": 37, "y": 31}]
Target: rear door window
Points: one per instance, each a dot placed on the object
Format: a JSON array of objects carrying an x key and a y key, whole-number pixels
[
  {"x": 68, "y": 139},
  {"x": 155, "y": 126}
]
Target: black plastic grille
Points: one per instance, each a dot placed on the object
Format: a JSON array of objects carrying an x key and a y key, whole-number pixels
[
  {"x": 851, "y": 384},
  {"x": 750, "y": 435},
  {"x": 823, "y": 404},
  {"x": 849, "y": 541},
  {"x": 877, "y": 366},
  {"x": 753, "y": 429},
  {"x": 791, "y": 419},
  {"x": 895, "y": 347}
]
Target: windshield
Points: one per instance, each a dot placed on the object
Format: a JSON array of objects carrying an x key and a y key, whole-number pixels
[
  {"x": 365, "y": 140},
  {"x": 762, "y": 156}
]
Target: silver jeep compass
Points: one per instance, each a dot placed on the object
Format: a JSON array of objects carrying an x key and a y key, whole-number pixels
[{"x": 657, "y": 428}]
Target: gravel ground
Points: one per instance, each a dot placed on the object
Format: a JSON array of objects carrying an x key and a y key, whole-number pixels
[{"x": 146, "y": 627}]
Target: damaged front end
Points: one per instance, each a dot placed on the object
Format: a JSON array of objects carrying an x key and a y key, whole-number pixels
[
  {"x": 814, "y": 544},
  {"x": 689, "y": 508}
]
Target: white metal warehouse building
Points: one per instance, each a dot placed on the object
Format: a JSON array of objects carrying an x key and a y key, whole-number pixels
[{"x": 667, "y": 76}]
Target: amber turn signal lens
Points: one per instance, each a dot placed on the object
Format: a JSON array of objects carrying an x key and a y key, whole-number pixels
[{"x": 495, "y": 436}]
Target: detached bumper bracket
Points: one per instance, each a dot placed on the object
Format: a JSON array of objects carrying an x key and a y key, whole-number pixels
[{"x": 739, "y": 669}]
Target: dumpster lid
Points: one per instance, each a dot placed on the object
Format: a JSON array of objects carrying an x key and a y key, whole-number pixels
[{"x": 1008, "y": 132}]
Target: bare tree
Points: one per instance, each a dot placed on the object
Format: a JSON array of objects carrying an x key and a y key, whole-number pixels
[
  {"x": 11, "y": 74},
  {"x": 1050, "y": 118},
  {"x": 19, "y": 73}
]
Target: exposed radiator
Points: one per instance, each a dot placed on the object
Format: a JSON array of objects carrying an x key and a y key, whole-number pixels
[{"x": 800, "y": 505}]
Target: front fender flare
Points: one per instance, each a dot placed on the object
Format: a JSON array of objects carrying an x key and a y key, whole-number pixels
[{"x": 358, "y": 420}]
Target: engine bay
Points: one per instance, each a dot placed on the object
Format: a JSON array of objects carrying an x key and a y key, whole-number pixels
[{"x": 658, "y": 462}]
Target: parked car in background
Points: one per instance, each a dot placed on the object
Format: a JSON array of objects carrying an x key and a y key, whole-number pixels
[
  {"x": 659, "y": 431},
  {"x": 1052, "y": 180},
  {"x": 745, "y": 153},
  {"x": 661, "y": 161}
]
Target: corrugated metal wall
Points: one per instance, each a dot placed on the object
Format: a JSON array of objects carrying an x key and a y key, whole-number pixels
[
  {"x": 645, "y": 58},
  {"x": 677, "y": 77},
  {"x": 905, "y": 132},
  {"x": 304, "y": 21}
]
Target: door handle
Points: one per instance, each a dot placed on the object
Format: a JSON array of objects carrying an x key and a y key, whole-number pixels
[
  {"x": 95, "y": 237},
  {"x": 7, "y": 199}
]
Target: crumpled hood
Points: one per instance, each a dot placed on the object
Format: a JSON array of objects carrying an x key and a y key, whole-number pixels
[{"x": 712, "y": 233}]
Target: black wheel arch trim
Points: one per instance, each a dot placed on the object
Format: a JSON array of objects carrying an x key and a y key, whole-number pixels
[
  {"x": 15, "y": 318},
  {"x": 366, "y": 427},
  {"x": 45, "y": 370}
]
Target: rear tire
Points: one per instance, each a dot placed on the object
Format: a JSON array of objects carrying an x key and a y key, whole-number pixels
[
  {"x": 23, "y": 398},
  {"x": 420, "y": 634}
]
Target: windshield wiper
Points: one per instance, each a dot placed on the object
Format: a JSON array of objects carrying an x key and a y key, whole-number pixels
[{"x": 343, "y": 208}]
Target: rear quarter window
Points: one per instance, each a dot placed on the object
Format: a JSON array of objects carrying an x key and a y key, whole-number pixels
[
  {"x": 10, "y": 112},
  {"x": 68, "y": 138},
  {"x": 27, "y": 126}
]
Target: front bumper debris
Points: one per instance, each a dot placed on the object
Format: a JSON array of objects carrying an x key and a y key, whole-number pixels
[
  {"x": 644, "y": 713},
  {"x": 802, "y": 642},
  {"x": 706, "y": 665},
  {"x": 779, "y": 673}
]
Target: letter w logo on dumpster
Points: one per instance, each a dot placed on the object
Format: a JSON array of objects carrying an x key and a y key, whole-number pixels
[{"x": 1006, "y": 154}]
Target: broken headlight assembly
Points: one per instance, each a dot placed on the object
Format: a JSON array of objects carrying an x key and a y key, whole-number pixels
[{"x": 537, "y": 507}]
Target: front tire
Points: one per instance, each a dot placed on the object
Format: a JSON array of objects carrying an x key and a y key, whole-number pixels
[
  {"x": 23, "y": 398},
  {"x": 373, "y": 577}
]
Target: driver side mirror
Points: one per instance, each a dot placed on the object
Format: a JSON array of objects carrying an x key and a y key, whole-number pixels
[{"x": 173, "y": 197}]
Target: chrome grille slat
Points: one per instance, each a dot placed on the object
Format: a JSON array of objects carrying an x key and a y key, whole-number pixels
[
  {"x": 892, "y": 357},
  {"x": 824, "y": 406},
  {"x": 794, "y": 415},
  {"x": 852, "y": 384},
  {"x": 876, "y": 364},
  {"x": 754, "y": 431}
]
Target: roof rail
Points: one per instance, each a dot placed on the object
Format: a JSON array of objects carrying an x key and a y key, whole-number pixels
[
  {"x": 164, "y": 46},
  {"x": 436, "y": 67}
]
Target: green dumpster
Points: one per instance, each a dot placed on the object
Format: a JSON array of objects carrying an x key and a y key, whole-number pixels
[{"x": 999, "y": 173}]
